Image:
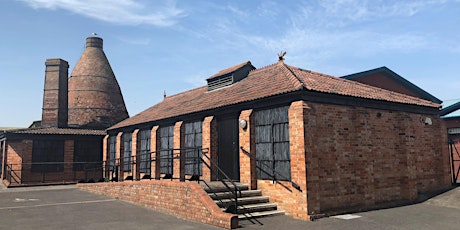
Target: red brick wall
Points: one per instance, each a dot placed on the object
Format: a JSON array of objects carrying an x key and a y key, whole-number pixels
[
  {"x": 134, "y": 143},
  {"x": 209, "y": 142},
  {"x": 186, "y": 200},
  {"x": 246, "y": 140},
  {"x": 17, "y": 152},
  {"x": 178, "y": 162},
  {"x": 359, "y": 157},
  {"x": 154, "y": 147}
]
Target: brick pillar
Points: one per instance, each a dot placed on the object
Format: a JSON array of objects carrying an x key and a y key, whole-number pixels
[
  {"x": 209, "y": 144},
  {"x": 105, "y": 156},
  {"x": 154, "y": 149},
  {"x": 247, "y": 145},
  {"x": 134, "y": 143},
  {"x": 179, "y": 161},
  {"x": 118, "y": 154},
  {"x": 297, "y": 147},
  {"x": 3, "y": 159}
]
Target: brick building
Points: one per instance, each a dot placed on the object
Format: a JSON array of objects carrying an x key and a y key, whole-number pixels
[
  {"x": 76, "y": 110},
  {"x": 387, "y": 79},
  {"x": 315, "y": 144},
  {"x": 450, "y": 113}
]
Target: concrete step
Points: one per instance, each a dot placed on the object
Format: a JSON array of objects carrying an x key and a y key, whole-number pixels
[
  {"x": 261, "y": 214},
  {"x": 250, "y": 208},
  {"x": 227, "y": 195},
  {"x": 216, "y": 187},
  {"x": 243, "y": 201}
]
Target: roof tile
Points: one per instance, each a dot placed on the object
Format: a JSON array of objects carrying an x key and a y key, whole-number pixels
[{"x": 268, "y": 81}]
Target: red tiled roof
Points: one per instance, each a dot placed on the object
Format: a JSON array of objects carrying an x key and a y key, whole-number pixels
[
  {"x": 58, "y": 131},
  {"x": 268, "y": 81},
  {"x": 229, "y": 70}
]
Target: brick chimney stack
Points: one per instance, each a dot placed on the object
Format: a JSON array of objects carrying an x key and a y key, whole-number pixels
[{"x": 55, "y": 99}]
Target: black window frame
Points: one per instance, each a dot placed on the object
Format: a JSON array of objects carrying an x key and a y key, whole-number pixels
[
  {"x": 166, "y": 149},
  {"x": 272, "y": 144},
  {"x": 193, "y": 141},
  {"x": 112, "y": 152},
  {"x": 87, "y": 155},
  {"x": 144, "y": 153},
  {"x": 127, "y": 152},
  {"x": 47, "y": 152}
]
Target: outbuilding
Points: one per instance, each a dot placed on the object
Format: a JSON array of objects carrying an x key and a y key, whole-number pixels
[{"x": 314, "y": 143}]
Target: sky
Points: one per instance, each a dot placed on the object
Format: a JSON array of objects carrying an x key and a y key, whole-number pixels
[{"x": 173, "y": 46}]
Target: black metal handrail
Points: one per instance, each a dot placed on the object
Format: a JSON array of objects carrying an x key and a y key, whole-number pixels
[
  {"x": 233, "y": 209},
  {"x": 294, "y": 185}
]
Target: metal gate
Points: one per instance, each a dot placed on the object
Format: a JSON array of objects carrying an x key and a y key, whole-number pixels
[{"x": 455, "y": 159}]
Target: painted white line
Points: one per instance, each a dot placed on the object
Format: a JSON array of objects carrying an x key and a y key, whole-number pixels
[
  {"x": 346, "y": 217},
  {"x": 24, "y": 200},
  {"x": 56, "y": 204}
]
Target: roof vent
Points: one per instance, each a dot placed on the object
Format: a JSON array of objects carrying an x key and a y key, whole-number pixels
[{"x": 229, "y": 76}]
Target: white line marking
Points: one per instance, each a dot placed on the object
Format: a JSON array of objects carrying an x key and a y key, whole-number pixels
[
  {"x": 55, "y": 204},
  {"x": 346, "y": 217}
]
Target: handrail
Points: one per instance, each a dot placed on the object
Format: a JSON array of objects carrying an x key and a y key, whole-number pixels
[
  {"x": 28, "y": 175},
  {"x": 294, "y": 185},
  {"x": 226, "y": 177}
]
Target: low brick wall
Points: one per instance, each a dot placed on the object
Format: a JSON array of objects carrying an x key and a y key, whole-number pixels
[{"x": 185, "y": 200}]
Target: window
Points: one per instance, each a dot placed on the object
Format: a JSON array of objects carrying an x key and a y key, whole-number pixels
[
  {"x": 45, "y": 153},
  {"x": 127, "y": 159},
  {"x": 272, "y": 144},
  {"x": 144, "y": 152},
  {"x": 112, "y": 152},
  {"x": 166, "y": 149},
  {"x": 87, "y": 155},
  {"x": 193, "y": 148}
]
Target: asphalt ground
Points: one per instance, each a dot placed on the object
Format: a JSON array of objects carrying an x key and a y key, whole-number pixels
[{"x": 67, "y": 207}]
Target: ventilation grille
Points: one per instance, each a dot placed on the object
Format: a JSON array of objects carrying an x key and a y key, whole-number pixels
[{"x": 220, "y": 82}]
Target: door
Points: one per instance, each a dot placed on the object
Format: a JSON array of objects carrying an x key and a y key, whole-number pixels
[{"x": 228, "y": 142}]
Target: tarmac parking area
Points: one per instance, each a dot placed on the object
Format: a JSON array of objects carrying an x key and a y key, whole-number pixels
[{"x": 67, "y": 207}]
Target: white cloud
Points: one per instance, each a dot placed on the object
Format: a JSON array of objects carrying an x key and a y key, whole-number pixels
[{"x": 124, "y": 12}]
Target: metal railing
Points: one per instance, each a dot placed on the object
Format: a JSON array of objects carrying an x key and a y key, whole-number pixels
[
  {"x": 224, "y": 179},
  {"x": 193, "y": 159},
  {"x": 53, "y": 172}
]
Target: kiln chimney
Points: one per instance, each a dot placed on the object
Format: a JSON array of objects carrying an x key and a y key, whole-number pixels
[
  {"x": 95, "y": 99},
  {"x": 54, "y": 113}
]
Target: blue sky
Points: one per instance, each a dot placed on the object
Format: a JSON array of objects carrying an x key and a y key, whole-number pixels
[{"x": 173, "y": 46}]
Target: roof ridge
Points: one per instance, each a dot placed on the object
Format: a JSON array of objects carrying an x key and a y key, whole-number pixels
[{"x": 296, "y": 78}]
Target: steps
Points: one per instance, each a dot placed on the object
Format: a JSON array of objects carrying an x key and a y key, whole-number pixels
[{"x": 251, "y": 203}]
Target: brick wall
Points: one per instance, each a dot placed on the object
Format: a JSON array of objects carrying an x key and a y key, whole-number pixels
[
  {"x": 16, "y": 152},
  {"x": 246, "y": 140},
  {"x": 209, "y": 142},
  {"x": 358, "y": 158},
  {"x": 352, "y": 158},
  {"x": 186, "y": 200}
]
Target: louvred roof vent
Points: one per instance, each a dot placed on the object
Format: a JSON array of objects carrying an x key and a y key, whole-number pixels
[{"x": 229, "y": 76}]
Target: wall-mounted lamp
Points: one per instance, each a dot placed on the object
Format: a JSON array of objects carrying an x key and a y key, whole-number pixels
[
  {"x": 243, "y": 124},
  {"x": 428, "y": 121}
]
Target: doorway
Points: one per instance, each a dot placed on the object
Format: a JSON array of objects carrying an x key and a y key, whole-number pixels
[{"x": 227, "y": 150}]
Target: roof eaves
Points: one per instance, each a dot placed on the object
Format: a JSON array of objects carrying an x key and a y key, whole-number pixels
[
  {"x": 390, "y": 73},
  {"x": 450, "y": 109}
]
